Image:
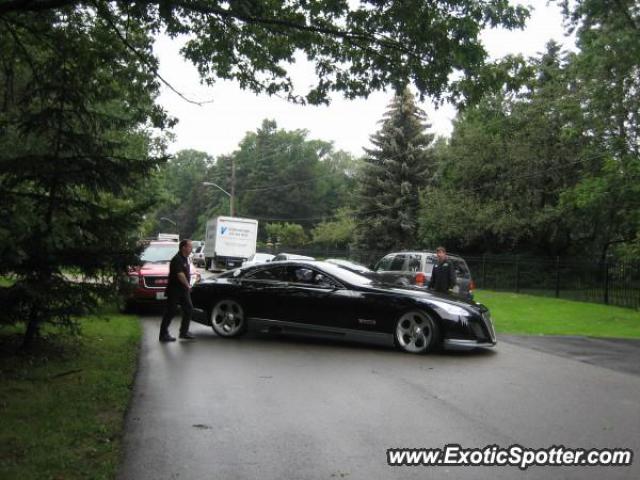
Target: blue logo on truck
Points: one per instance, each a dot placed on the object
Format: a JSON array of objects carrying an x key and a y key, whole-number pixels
[{"x": 223, "y": 230}]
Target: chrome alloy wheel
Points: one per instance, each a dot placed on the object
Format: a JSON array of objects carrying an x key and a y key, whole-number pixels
[
  {"x": 227, "y": 318},
  {"x": 416, "y": 332}
]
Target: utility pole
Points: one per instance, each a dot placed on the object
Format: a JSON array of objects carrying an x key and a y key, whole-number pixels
[{"x": 233, "y": 185}]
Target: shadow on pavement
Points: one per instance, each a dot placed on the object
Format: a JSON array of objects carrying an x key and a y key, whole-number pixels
[{"x": 619, "y": 354}]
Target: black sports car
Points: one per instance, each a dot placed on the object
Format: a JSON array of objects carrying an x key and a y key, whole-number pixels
[{"x": 310, "y": 296}]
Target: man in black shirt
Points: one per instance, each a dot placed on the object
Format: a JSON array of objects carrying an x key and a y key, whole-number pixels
[
  {"x": 178, "y": 293},
  {"x": 443, "y": 275}
]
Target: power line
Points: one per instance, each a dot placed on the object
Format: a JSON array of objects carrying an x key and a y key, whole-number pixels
[
  {"x": 277, "y": 187},
  {"x": 458, "y": 192},
  {"x": 276, "y": 153}
]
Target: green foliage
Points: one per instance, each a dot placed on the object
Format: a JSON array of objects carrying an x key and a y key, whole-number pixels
[
  {"x": 336, "y": 233},
  {"x": 183, "y": 197},
  {"x": 75, "y": 149},
  {"x": 280, "y": 175},
  {"x": 286, "y": 234},
  {"x": 356, "y": 49},
  {"x": 535, "y": 171},
  {"x": 283, "y": 176},
  {"x": 277, "y": 173},
  {"x": 607, "y": 68},
  {"x": 392, "y": 175}
]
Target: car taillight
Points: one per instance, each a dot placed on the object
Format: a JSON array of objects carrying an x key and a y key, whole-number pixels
[{"x": 420, "y": 279}]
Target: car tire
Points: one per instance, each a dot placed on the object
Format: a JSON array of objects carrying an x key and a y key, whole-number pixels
[
  {"x": 228, "y": 319},
  {"x": 417, "y": 332}
]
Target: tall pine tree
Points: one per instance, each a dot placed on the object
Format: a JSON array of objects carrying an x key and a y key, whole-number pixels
[
  {"x": 76, "y": 150},
  {"x": 392, "y": 176}
]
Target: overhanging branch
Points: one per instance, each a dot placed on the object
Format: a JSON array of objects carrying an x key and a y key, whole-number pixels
[{"x": 107, "y": 16}]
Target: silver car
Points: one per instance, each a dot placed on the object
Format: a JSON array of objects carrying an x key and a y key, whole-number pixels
[
  {"x": 414, "y": 268},
  {"x": 198, "y": 255}
]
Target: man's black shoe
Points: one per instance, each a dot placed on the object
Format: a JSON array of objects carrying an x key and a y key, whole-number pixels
[
  {"x": 187, "y": 336},
  {"x": 167, "y": 338}
]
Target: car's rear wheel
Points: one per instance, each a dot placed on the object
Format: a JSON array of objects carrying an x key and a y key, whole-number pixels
[
  {"x": 417, "y": 332},
  {"x": 227, "y": 318}
]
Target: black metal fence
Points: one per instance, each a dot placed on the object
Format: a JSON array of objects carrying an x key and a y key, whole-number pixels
[{"x": 611, "y": 282}]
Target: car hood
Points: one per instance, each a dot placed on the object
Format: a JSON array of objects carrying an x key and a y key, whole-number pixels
[
  {"x": 152, "y": 269},
  {"x": 422, "y": 293}
]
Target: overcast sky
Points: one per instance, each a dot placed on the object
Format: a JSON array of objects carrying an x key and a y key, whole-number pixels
[{"x": 218, "y": 127}]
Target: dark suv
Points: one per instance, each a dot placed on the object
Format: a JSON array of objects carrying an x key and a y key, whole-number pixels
[{"x": 414, "y": 268}]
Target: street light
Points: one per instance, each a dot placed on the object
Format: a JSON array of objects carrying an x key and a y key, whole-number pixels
[
  {"x": 230, "y": 195},
  {"x": 175, "y": 224}
]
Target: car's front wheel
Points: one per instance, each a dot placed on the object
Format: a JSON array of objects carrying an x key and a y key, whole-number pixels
[
  {"x": 417, "y": 332},
  {"x": 227, "y": 318}
]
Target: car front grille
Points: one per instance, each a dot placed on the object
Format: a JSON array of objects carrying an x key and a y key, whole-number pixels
[{"x": 156, "y": 282}]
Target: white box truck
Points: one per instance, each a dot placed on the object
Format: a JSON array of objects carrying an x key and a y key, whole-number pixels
[{"x": 229, "y": 242}]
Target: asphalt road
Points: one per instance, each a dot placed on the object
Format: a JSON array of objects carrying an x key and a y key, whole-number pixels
[{"x": 278, "y": 407}]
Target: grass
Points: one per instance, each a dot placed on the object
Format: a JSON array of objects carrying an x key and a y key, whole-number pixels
[
  {"x": 531, "y": 315},
  {"x": 63, "y": 410}
]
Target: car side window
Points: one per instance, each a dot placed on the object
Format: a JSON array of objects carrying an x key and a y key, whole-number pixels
[
  {"x": 384, "y": 264},
  {"x": 461, "y": 268},
  {"x": 324, "y": 281},
  {"x": 398, "y": 262},
  {"x": 301, "y": 275},
  {"x": 414, "y": 263},
  {"x": 274, "y": 273},
  {"x": 308, "y": 276}
]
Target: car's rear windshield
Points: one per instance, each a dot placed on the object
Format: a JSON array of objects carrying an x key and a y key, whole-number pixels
[{"x": 159, "y": 253}]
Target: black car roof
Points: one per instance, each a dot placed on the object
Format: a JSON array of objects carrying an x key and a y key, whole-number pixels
[{"x": 344, "y": 275}]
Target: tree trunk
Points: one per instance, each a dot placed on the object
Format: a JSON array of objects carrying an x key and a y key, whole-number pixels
[{"x": 33, "y": 328}]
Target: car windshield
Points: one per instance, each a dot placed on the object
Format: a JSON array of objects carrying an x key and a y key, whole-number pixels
[
  {"x": 347, "y": 264},
  {"x": 345, "y": 275},
  {"x": 159, "y": 253}
]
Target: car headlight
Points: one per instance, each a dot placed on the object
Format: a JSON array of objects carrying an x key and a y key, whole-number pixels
[
  {"x": 134, "y": 279},
  {"x": 453, "y": 310}
]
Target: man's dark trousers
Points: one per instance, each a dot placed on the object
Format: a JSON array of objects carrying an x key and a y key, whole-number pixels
[{"x": 180, "y": 297}]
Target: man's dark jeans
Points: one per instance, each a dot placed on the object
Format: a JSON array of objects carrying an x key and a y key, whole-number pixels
[{"x": 180, "y": 297}]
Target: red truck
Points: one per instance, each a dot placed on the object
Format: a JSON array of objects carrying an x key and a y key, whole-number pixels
[{"x": 147, "y": 282}]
